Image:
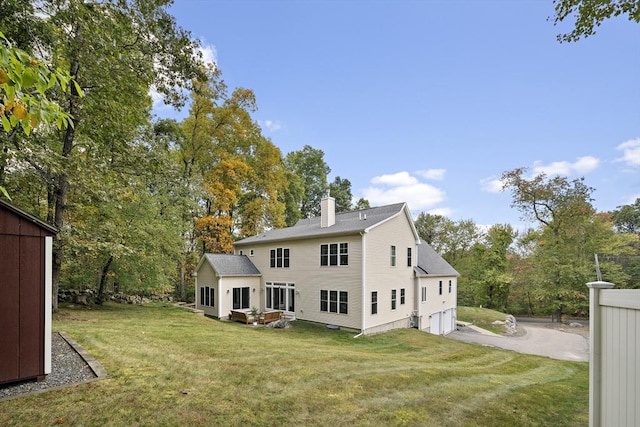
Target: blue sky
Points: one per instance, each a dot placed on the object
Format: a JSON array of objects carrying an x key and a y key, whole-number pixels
[{"x": 429, "y": 102}]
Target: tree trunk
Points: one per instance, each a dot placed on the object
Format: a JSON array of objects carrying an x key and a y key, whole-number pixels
[
  {"x": 103, "y": 281},
  {"x": 62, "y": 187}
]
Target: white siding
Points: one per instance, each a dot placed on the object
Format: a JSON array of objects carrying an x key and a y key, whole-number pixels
[
  {"x": 309, "y": 277},
  {"x": 437, "y": 304},
  {"x": 382, "y": 277},
  {"x": 620, "y": 352}
]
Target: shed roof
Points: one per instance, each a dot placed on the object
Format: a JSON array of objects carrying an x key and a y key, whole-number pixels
[
  {"x": 29, "y": 217},
  {"x": 345, "y": 223},
  {"x": 230, "y": 265},
  {"x": 430, "y": 263}
]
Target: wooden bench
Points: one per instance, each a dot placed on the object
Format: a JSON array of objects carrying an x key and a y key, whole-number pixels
[
  {"x": 241, "y": 316},
  {"x": 270, "y": 316}
]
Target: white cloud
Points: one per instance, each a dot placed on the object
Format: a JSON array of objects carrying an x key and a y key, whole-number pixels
[
  {"x": 435, "y": 174},
  {"x": 582, "y": 165},
  {"x": 440, "y": 211},
  {"x": 272, "y": 126},
  {"x": 395, "y": 179},
  {"x": 630, "y": 152},
  {"x": 491, "y": 185},
  {"x": 209, "y": 53},
  {"x": 403, "y": 187}
]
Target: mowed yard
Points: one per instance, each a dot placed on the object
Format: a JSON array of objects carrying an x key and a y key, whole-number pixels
[{"x": 170, "y": 367}]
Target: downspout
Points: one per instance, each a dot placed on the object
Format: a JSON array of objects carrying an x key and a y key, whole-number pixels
[{"x": 364, "y": 282}]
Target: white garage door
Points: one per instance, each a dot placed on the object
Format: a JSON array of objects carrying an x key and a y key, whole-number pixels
[
  {"x": 447, "y": 325},
  {"x": 434, "y": 323}
]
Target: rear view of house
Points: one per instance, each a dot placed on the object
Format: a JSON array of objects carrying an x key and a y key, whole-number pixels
[
  {"x": 366, "y": 270},
  {"x": 26, "y": 245}
]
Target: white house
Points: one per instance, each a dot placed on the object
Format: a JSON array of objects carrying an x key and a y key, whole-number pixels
[{"x": 365, "y": 270}]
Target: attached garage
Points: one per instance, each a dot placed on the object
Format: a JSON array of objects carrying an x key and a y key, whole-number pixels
[{"x": 26, "y": 247}]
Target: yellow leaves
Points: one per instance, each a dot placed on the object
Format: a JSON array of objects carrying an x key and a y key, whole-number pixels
[
  {"x": 19, "y": 111},
  {"x": 4, "y": 77}
]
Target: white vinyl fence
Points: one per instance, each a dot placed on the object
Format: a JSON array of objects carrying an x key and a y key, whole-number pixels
[{"x": 614, "y": 360}]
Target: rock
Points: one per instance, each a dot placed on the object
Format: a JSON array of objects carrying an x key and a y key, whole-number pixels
[
  {"x": 279, "y": 324},
  {"x": 510, "y": 324},
  {"x": 575, "y": 325},
  {"x": 498, "y": 322}
]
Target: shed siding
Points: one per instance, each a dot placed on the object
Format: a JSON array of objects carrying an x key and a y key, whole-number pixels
[
  {"x": 9, "y": 306},
  {"x": 620, "y": 360},
  {"x": 31, "y": 306}
]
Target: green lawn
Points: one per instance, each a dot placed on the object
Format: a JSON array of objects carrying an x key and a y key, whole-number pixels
[
  {"x": 481, "y": 317},
  {"x": 169, "y": 367}
]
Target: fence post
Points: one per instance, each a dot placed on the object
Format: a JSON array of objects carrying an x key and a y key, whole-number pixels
[{"x": 595, "y": 353}]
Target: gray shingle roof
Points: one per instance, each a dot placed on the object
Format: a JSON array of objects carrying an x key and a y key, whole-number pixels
[
  {"x": 430, "y": 263},
  {"x": 346, "y": 223},
  {"x": 232, "y": 265}
]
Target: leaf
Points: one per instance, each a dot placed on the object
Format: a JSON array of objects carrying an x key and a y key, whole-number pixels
[
  {"x": 5, "y": 124},
  {"x": 28, "y": 78},
  {"x": 2, "y": 189}
]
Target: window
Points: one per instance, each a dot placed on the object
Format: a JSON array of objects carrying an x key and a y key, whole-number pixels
[
  {"x": 207, "y": 296},
  {"x": 334, "y": 301},
  {"x": 408, "y": 257},
  {"x": 240, "y": 298},
  {"x": 334, "y": 254},
  {"x": 440, "y": 288},
  {"x": 449, "y": 286},
  {"x": 374, "y": 302},
  {"x": 280, "y": 296},
  {"x": 402, "y": 299},
  {"x": 393, "y": 256},
  {"x": 424, "y": 293},
  {"x": 279, "y": 258},
  {"x": 393, "y": 299}
]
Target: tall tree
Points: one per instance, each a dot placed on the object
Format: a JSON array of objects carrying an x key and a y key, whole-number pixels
[
  {"x": 310, "y": 166},
  {"x": 116, "y": 51},
  {"x": 340, "y": 190},
  {"x": 565, "y": 250}
]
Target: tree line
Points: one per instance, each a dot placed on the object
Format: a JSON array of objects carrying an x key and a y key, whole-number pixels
[{"x": 137, "y": 199}]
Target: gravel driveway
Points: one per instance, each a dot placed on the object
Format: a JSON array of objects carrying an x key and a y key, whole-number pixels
[{"x": 536, "y": 339}]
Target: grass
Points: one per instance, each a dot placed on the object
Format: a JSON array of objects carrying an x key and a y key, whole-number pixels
[
  {"x": 482, "y": 317},
  {"x": 170, "y": 367}
]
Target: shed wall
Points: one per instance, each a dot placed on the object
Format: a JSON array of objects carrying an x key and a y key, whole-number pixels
[{"x": 620, "y": 352}]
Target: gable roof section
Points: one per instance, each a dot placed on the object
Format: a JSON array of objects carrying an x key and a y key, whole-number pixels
[
  {"x": 230, "y": 265},
  {"x": 346, "y": 223},
  {"x": 430, "y": 263},
  {"x": 32, "y": 218}
]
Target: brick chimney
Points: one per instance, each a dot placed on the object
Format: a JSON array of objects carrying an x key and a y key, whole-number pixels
[{"x": 327, "y": 211}]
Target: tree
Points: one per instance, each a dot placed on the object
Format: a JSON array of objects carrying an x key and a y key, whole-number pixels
[
  {"x": 340, "y": 190},
  {"x": 115, "y": 51},
  {"x": 627, "y": 218},
  {"x": 310, "y": 166},
  {"x": 488, "y": 279},
  {"x": 362, "y": 203},
  {"x": 564, "y": 253},
  {"x": 24, "y": 102},
  {"x": 589, "y": 14}
]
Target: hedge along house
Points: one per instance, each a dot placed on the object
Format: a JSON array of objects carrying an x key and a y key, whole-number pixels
[
  {"x": 26, "y": 247},
  {"x": 366, "y": 270}
]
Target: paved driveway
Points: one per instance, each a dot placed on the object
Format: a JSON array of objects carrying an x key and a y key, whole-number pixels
[{"x": 537, "y": 340}]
